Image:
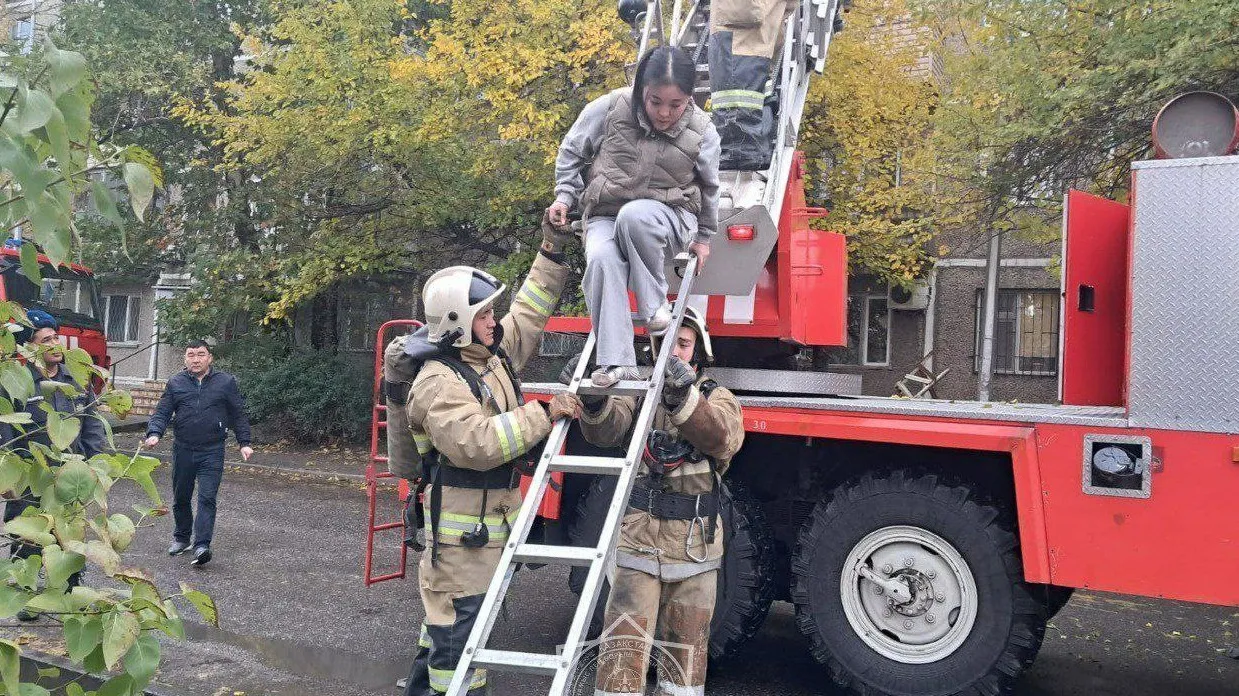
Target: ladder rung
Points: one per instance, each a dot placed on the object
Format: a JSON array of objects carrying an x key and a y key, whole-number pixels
[
  {"x": 621, "y": 388},
  {"x": 513, "y": 661},
  {"x": 567, "y": 555},
  {"x": 588, "y": 465}
]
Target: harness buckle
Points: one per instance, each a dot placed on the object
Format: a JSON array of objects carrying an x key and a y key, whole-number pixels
[{"x": 477, "y": 538}]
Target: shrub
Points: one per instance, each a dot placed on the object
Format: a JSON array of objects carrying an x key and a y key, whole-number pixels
[{"x": 306, "y": 395}]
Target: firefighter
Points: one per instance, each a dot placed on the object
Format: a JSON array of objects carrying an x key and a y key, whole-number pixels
[
  {"x": 671, "y": 541},
  {"x": 745, "y": 36},
  {"x": 471, "y": 427},
  {"x": 641, "y": 163}
]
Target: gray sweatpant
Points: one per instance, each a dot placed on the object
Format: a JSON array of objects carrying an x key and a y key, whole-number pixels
[{"x": 627, "y": 252}]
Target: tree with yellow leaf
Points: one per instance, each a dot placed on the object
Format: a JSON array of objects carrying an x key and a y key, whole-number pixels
[
  {"x": 866, "y": 132},
  {"x": 1045, "y": 96},
  {"x": 383, "y": 134}
]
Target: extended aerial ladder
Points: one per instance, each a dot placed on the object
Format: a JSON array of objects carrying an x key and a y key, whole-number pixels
[{"x": 750, "y": 197}]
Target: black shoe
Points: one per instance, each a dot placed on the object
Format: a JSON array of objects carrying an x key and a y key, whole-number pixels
[
  {"x": 202, "y": 555},
  {"x": 178, "y": 547},
  {"x": 26, "y": 615}
]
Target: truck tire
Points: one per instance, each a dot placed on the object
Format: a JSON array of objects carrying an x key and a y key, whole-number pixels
[
  {"x": 746, "y": 579},
  {"x": 966, "y": 622}
]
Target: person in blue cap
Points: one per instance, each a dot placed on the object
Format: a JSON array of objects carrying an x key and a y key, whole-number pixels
[{"x": 79, "y": 400}]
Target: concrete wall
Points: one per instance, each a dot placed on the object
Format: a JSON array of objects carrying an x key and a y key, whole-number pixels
[
  {"x": 955, "y": 303},
  {"x": 134, "y": 362},
  {"x": 906, "y": 333}
]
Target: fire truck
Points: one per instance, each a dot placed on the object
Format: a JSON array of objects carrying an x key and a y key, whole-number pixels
[
  {"x": 926, "y": 543},
  {"x": 68, "y": 293}
]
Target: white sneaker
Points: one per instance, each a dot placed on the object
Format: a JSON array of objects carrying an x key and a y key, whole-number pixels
[
  {"x": 607, "y": 376},
  {"x": 657, "y": 324}
]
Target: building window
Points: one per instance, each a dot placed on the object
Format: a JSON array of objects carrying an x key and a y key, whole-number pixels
[
  {"x": 869, "y": 332},
  {"x": 120, "y": 317},
  {"x": 360, "y": 317},
  {"x": 23, "y": 33},
  {"x": 1025, "y": 332}
]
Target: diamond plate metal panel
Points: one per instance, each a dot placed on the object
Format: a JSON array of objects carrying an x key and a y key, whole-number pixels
[
  {"x": 787, "y": 381},
  {"x": 1092, "y": 416},
  {"x": 1184, "y": 371}
]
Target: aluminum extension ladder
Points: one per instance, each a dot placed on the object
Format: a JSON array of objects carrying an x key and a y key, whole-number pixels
[{"x": 596, "y": 558}]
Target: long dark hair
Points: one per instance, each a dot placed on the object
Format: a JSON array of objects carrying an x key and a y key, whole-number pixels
[{"x": 663, "y": 65}]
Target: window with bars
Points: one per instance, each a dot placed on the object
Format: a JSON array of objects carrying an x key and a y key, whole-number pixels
[
  {"x": 1025, "y": 332},
  {"x": 869, "y": 332},
  {"x": 120, "y": 317},
  {"x": 23, "y": 33}
]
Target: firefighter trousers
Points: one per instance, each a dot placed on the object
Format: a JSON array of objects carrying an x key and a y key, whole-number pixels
[
  {"x": 648, "y": 618},
  {"x": 745, "y": 36},
  {"x": 452, "y": 591}
]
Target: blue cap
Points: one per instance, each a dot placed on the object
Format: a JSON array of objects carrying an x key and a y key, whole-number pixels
[{"x": 39, "y": 319}]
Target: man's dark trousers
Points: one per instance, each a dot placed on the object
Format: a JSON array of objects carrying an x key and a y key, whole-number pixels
[{"x": 206, "y": 467}]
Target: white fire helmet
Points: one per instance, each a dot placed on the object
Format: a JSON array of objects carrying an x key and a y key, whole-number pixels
[
  {"x": 453, "y": 297},
  {"x": 694, "y": 320}
]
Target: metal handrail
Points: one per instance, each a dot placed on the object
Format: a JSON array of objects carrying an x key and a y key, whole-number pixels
[{"x": 136, "y": 353}]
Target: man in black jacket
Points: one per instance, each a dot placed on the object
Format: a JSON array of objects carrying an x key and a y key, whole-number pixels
[{"x": 201, "y": 404}]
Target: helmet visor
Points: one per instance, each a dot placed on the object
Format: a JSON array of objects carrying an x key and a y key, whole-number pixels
[{"x": 482, "y": 287}]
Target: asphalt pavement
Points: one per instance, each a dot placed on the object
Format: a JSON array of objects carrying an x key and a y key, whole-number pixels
[{"x": 297, "y": 620}]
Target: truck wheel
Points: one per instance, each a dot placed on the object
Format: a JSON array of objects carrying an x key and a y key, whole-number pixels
[
  {"x": 746, "y": 579},
  {"x": 906, "y": 586}
]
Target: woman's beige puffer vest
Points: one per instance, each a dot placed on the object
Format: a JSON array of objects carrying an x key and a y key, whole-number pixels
[{"x": 635, "y": 161}]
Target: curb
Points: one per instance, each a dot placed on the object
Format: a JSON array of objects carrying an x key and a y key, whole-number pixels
[
  {"x": 32, "y": 661},
  {"x": 316, "y": 476}
]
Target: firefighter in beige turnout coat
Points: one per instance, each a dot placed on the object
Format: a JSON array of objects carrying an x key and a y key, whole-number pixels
[
  {"x": 671, "y": 539},
  {"x": 478, "y": 439}
]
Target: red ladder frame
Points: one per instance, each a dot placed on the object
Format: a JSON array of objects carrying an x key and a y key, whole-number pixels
[{"x": 378, "y": 424}]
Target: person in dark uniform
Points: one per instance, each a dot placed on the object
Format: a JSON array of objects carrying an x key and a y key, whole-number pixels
[{"x": 78, "y": 400}]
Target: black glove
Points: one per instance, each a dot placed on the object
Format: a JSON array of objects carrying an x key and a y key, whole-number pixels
[
  {"x": 555, "y": 239},
  {"x": 678, "y": 378},
  {"x": 593, "y": 403}
]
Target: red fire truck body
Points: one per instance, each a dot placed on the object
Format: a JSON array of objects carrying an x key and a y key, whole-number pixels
[
  {"x": 69, "y": 293},
  {"x": 1069, "y": 536},
  {"x": 887, "y": 520}
]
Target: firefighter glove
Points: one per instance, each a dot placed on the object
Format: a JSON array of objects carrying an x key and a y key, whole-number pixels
[
  {"x": 678, "y": 378},
  {"x": 554, "y": 239},
  {"x": 592, "y": 402},
  {"x": 564, "y": 405}
]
